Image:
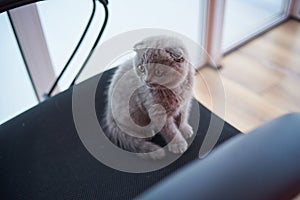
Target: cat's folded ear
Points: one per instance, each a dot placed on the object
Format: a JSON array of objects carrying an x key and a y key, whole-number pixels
[
  {"x": 176, "y": 53},
  {"x": 138, "y": 46}
]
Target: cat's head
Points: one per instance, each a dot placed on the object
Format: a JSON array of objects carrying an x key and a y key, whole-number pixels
[{"x": 161, "y": 61}]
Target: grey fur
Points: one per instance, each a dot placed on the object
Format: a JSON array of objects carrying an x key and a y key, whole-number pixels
[{"x": 151, "y": 92}]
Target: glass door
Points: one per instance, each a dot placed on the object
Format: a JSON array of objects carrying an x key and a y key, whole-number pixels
[{"x": 245, "y": 19}]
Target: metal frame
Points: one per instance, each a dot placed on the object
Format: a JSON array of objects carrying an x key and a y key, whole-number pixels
[
  {"x": 28, "y": 30},
  {"x": 214, "y": 30},
  {"x": 47, "y": 95},
  {"x": 295, "y": 9},
  {"x": 104, "y": 4},
  {"x": 6, "y": 5}
]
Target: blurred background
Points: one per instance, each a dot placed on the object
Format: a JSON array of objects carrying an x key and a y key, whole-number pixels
[{"x": 255, "y": 42}]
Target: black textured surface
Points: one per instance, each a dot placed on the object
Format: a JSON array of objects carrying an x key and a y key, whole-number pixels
[
  {"x": 42, "y": 157},
  {"x": 263, "y": 164}
]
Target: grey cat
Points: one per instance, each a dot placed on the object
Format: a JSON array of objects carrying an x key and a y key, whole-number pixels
[{"x": 151, "y": 93}]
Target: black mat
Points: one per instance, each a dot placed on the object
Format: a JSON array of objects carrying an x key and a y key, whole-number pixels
[{"x": 42, "y": 157}]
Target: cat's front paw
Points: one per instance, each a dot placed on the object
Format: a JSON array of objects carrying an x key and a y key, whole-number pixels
[
  {"x": 178, "y": 145},
  {"x": 186, "y": 131},
  {"x": 152, "y": 151},
  {"x": 154, "y": 155}
]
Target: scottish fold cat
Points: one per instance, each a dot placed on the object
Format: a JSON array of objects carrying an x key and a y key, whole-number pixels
[{"x": 151, "y": 93}]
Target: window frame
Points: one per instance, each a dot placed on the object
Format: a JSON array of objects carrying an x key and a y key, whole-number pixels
[{"x": 28, "y": 30}]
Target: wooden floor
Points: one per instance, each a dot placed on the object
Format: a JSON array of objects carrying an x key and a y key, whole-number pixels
[{"x": 261, "y": 79}]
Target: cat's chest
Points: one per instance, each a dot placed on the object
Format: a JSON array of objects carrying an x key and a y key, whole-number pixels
[{"x": 168, "y": 99}]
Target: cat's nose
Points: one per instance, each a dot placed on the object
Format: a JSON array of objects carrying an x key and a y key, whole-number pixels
[
  {"x": 149, "y": 83},
  {"x": 148, "y": 80}
]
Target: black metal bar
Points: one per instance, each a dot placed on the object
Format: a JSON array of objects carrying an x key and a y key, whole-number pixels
[
  {"x": 6, "y": 5},
  {"x": 23, "y": 57},
  {"x": 95, "y": 43},
  {"x": 74, "y": 52}
]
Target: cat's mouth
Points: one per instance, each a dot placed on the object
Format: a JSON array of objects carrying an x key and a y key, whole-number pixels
[{"x": 155, "y": 86}]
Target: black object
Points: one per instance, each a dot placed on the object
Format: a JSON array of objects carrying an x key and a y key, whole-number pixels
[
  {"x": 74, "y": 52},
  {"x": 42, "y": 157},
  {"x": 6, "y": 5},
  {"x": 264, "y": 164},
  {"x": 104, "y": 3}
]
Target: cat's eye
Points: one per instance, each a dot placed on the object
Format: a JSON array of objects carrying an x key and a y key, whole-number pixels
[
  {"x": 141, "y": 68},
  {"x": 159, "y": 72}
]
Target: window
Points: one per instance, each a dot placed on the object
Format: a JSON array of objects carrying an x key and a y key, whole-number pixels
[
  {"x": 62, "y": 34},
  {"x": 218, "y": 25},
  {"x": 17, "y": 92},
  {"x": 244, "y": 19},
  {"x": 63, "y": 22}
]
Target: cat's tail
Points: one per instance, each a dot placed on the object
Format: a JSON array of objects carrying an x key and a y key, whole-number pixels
[{"x": 140, "y": 146}]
